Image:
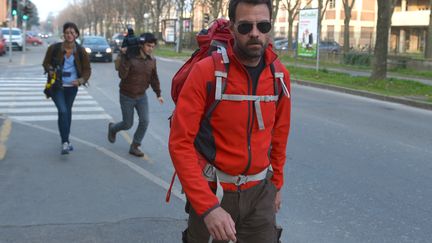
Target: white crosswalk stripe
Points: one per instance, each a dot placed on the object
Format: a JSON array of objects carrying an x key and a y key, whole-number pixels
[{"x": 22, "y": 98}]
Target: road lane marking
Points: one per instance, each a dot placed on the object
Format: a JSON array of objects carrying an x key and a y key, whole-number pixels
[
  {"x": 145, "y": 173},
  {"x": 75, "y": 117},
  {"x": 47, "y": 109},
  {"x": 44, "y": 103},
  {"x": 33, "y": 97},
  {"x": 4, "y": 135}
]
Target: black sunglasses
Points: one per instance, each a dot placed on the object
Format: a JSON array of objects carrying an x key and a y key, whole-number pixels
[{"x": 245, "y": 27}]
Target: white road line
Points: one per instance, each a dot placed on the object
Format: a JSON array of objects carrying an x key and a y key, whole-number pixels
[
  {"x": 75, "y": 117},
  {"x": 45, "y": 103},
  {"x": 27, "y": 89},
  {"x": 147, "y": 174},
  {"x": 32, "y": 93},
  {"x": 21, "y": 84},
  {"x": 29, "y": 81},
  {"x": 12, "y": 98},
  {"x": 22, "y": 78},
  {"x": 47, "y": 109}
]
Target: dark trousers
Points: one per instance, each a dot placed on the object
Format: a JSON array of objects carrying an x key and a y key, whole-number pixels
[
  {"x": 127, "y": 106},
  {"x": 252, "y": 211},
  {"x": 63, "y": 99}
]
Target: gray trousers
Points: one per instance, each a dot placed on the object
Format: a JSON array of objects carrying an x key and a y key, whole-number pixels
[
  {"x": 252, "y": 211},
  {"x": 128, "y": 105}
]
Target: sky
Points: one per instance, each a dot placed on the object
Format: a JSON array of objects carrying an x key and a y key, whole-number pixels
[{"x": 46, "y": 6}]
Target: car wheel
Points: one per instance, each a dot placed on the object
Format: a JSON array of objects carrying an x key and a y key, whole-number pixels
[{"x": 34, "y": 43}]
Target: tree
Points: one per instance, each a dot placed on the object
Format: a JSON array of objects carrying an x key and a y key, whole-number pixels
[
  {"x": 385, "y": 12},
  {"x": 322, "y": 8},
  {"x": 348, "y": 5},
  {"x": 428, "y": 51},
  {"x": 275, "y": 13}
]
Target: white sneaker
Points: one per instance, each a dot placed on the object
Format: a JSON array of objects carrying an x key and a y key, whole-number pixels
[
  {"x": 65, "y": 148},
  {"x": 71, "y": 148}
]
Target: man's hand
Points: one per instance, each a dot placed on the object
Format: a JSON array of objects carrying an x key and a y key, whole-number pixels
[
  {"x": 278, "y": 201},
  {"x": 160, "y": 99},
  {"x": 220, "y": 225}
]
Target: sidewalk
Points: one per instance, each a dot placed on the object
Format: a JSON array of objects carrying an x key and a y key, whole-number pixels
[{"x": 32, "y": 56}]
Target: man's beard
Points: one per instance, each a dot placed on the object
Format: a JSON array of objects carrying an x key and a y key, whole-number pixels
[{"x": 247, "y": 53}]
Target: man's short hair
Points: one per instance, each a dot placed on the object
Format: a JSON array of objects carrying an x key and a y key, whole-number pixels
[
  {"x": 68, "y": 25},
  {"x": 147, "y": 38},
  {"x": 233, "y": 6}
]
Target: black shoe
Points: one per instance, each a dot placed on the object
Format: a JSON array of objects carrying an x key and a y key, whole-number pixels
[{"x": 111, "y": 135}]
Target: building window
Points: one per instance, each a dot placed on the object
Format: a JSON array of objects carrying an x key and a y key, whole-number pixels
[{"x": 332, "y": 4}]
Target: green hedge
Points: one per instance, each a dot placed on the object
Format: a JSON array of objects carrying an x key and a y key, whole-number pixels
[{"x": 357, "y": 59}]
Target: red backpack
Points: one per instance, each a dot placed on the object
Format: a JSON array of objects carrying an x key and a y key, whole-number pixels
[{"x": 208, "y": 41}]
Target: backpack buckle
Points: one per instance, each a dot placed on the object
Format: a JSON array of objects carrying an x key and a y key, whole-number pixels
[{"x": 241, "y": 179}]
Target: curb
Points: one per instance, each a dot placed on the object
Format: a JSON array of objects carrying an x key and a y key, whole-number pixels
[{"x": 404, "y": 101}]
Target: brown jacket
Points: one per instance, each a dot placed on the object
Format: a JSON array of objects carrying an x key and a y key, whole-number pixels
[
  {"x": 137, "y": 74},
  {"x": 82, "y": 65}
]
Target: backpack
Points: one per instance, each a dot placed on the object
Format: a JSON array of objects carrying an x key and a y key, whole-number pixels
[
  {"x": 218, "y": 35},
  {"x": 213, "y": 42}
]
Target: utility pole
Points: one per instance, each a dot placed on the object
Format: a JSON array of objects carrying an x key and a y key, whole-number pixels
[
  {"x": 10, "y": 30},
  {"x": 24, "y": 27}
]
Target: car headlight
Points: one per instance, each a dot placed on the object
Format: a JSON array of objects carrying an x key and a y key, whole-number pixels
[
  {"x": 108, "y": 50},
  {"x": 88, "y": 50}
]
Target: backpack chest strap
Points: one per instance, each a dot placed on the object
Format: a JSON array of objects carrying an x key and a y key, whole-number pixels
[{"x": 219, "y": 95}]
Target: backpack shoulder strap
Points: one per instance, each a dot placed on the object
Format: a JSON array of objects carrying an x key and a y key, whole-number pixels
[{"x": 278, "y": 75}]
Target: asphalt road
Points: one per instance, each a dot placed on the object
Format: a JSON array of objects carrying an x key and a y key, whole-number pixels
[{"x": 358, "y": 170}]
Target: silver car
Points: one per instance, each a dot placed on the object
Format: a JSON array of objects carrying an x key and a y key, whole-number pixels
[{"x": 17, "y": 38}]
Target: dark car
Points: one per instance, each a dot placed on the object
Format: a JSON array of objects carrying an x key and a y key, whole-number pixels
[
  {"x": 97, "y": 47},
  {"x": 329, "y": 46},
  {"x": 116, "y": 41}
]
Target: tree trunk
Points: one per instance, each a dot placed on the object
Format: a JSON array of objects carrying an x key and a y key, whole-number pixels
[
  {"x": 428, "y": 51},
  {"x": 290, "y": 32},
  {"x": 348, "y": 5},
  {"x": 385, "y": 11},
  {"x": 347, "y": 31},
  {"x": 274, "y": 14}
]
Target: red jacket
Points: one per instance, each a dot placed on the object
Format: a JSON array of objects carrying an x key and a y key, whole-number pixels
[{"x": 234, "y": 126}]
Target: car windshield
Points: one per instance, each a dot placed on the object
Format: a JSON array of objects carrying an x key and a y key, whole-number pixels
[
  {"x": 14, "y": 32},
  {"x": 94, "y": 41}
]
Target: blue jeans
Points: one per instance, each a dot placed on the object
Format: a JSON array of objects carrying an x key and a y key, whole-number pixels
[
  {"x": 63, "y": 99},
  {"x": 127, "y": 105}
]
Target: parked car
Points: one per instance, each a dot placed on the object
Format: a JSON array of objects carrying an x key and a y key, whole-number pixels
[
  {"x": 282, "y": 44},
  {"x": 3, "y": 45},
  {"x": 97, "y": 47},
  {"x": 116, "y": 41},
  {"x": 17, "y": 38},
  {"x": 330, "y": 47},
  {"x": 36, "y": 41}
]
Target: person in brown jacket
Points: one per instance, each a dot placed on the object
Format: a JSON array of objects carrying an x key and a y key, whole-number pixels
[
  {"x": 71, "y": 65},
  {"x": 137, "y": 74}
]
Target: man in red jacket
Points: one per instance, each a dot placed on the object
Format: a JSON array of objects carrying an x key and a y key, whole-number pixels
[{"x": 246, "y": 136}]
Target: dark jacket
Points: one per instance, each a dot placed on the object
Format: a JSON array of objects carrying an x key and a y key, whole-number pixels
[
  {"x": 137, "y": 74},
  {"x": 82, "y": 61}
]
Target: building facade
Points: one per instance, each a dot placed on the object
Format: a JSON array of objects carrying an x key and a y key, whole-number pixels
[
  {"x": 3, "y": 12},
  {"x": 410, "y": 21},
  {"x": 362, "y": 24}
]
